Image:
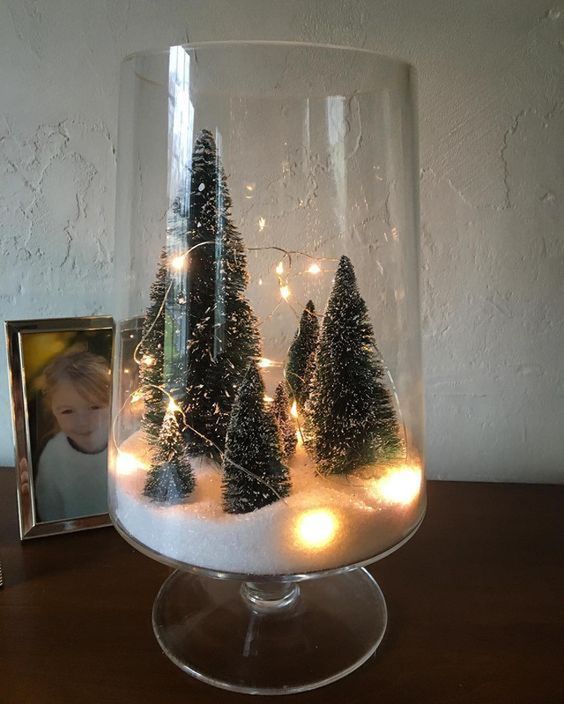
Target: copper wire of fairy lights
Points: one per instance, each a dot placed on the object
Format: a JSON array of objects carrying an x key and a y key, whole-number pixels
[{"x": 284, "y": 272}]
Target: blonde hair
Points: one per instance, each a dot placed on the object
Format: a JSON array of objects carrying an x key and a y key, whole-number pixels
[{"x": 88, "y": 373}]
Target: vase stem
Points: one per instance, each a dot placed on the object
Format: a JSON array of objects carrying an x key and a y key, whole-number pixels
[{"x": 270, "y": 596}]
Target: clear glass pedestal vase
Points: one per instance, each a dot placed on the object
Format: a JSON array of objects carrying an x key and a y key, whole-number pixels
[
  {"x": 270, "y": 637},
  {"x": 267, "y": 431}
]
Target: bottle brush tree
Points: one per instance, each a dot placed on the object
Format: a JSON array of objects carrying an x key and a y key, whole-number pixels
[
  {"x": 301, "y": 356},
  {"x": 350, "y": 410},
  {"x": 171, "y": 477},
  {"x": 286, "y": 424},
  {"x": 254, "y": 474},
  {"x": 151, "y": 353},
  {"x": 222, "y": 328}
]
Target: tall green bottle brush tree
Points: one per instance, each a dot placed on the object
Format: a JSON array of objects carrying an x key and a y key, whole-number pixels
[{"x": 222, "y": 328}]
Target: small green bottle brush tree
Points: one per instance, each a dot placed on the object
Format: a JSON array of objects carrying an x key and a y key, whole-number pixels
[
  {"x": 151, "y": 352},
  {"x": 254, "y": 474},
  {"x": 286, "y": 425},
  {"x": 301, "y": 356},
  {"x": 171, "y": 477}
]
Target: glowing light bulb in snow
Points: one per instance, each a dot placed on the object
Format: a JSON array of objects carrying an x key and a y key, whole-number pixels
[
  {"x": 400, "y": 486},
  {"x": 127, "y": 464},
  {"x": 294, "y": 410},
  {"x": 261, "y": 224},
  {"x": 148, "y": 361},
  {"x": 317, "y": 528},
  {"x": 285, "y": 292},
  {"x": 280, "y": 268},
  {"x": 265, "y": 363},
  {"x": 314, "y": 268}
]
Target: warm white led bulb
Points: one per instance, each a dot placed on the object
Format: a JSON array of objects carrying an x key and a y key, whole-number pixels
[
  {"x": 127, "y": 463},
  {"x": 401, "y": 485},
  {"x": 136, "y": 396},
  {"x": 179, "y": 262},
  {"x": 172, "y": 406},
  {"x": 317, "y": 528}
]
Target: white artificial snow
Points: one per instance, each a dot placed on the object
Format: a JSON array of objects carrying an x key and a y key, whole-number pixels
[{"x": 266, "y": 541}]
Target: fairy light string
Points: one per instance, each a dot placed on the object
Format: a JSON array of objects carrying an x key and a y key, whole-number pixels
[
  {"x": 284, "y": 276},
  {"x": 183, "y": 256},
  {"x": 173, "y": 407},
  {"x": 284, "y": 272}
]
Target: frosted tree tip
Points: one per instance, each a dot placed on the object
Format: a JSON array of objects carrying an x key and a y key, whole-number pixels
[
  {"x": 345, "y": 270},
  {"x": 252, "y": 375},
  {"x": 206, "y": 138},
  {"x": 310, "y": 307}
]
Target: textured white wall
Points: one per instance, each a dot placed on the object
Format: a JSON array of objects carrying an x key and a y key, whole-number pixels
[{"x": 491, "y": 83}]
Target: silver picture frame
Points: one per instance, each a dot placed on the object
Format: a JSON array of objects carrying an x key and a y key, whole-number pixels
[{"x": 94, "y": 331}]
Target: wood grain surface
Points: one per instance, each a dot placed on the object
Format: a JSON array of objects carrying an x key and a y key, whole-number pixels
[{"x": 476, "y": 602}]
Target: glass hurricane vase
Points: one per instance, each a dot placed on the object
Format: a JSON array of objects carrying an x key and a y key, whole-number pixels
[{"x": 267, "y": 435}]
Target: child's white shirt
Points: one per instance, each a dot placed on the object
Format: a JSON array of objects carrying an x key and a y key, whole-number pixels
[{"x": 70, "y": 483}]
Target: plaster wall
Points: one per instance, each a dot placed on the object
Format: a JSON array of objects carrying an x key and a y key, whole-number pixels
[{"x": 491, "y": 110}]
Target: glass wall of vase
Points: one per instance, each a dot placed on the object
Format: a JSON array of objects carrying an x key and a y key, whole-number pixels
[{"x": 267, "y": 413}]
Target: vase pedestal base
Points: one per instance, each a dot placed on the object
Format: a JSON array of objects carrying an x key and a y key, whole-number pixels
[{"x": 270, "y": 637}]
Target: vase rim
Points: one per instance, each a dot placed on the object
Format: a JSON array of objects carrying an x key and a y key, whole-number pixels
[{"x": 267, "y": 43}]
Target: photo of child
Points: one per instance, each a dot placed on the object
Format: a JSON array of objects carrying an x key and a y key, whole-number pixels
[
  {"x": 72, "y": 468},
  {"x": 60, "y": 388}
]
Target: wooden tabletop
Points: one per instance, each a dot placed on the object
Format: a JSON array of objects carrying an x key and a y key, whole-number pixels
[{"x": 475, "y": 600}]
